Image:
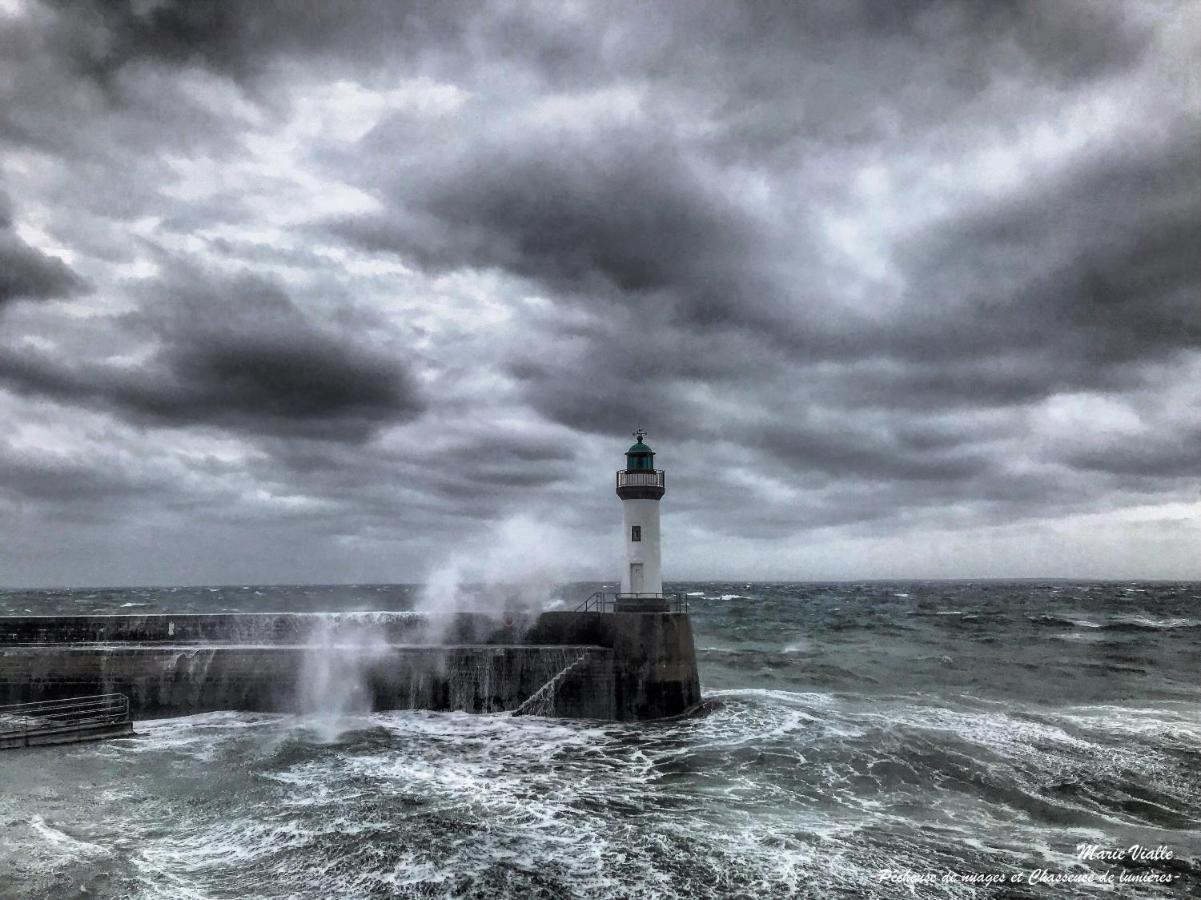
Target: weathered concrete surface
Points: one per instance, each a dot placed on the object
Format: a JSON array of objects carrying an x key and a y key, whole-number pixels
[
  {"x": 257, "y": 628},
  {"x": 636, "y": 666},
  {"x": 174, "y": 679},
  {"x": 654, "y": 672}
]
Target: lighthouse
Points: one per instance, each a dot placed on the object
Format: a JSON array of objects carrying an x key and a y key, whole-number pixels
[{"x": 641, "y": 486}]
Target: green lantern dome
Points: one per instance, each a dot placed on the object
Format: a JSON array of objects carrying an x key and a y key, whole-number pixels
[{"x": 640, "y": 457}]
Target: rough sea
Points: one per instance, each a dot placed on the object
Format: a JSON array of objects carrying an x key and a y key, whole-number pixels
[{"x": 935, "y": 739}]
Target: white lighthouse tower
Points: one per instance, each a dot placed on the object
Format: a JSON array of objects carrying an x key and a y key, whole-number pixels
[{"x": 641, "y": 486}]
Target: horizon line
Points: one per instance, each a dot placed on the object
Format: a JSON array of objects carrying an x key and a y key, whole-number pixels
[{"x": 589, "y": 581}]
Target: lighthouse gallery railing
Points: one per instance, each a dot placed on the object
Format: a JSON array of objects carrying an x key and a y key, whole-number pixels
[
  {"x": 651, "y": 478},
  {"x": 602, "y": 601}
]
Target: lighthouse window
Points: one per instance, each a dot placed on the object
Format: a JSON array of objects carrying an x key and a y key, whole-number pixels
[{"x": 635, "y": 532}]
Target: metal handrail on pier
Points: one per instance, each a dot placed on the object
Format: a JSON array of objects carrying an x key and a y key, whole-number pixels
[
  {"x": 601, "y": 601},
  {"x": 48, "y": 717}
]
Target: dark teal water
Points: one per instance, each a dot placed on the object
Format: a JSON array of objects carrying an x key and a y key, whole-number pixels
[{"x": 874, "y": 740}]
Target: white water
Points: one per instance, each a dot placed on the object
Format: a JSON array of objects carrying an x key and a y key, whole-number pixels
[
  {"x": 513, "y": 579},
  {"x": 510, "y": 583},
  {"x": 333, "y": 682}
]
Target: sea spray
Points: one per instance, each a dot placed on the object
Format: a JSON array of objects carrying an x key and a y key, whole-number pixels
[
  {"x": 333, "y": 684},
  {"x": 511, "y": 581}
]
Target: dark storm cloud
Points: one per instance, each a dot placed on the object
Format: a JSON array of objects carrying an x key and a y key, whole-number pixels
[
  {"x": 100, "y": 37},
  {"x": 506, "y": 462},
  {"x": 1073, "y": 40},
  {"x": 27, "y": 273},
  {"x": 841, "y": 450},
  {"x": 489, "y": 468},
  {"x": 622, "y": 213},
  {"x": 781, "y": 79},
  {"x": 246, "y": 38},
  {"x": 1173, "y": 452},
  {"x": 1112, "y": 272},
  {"x": 236, "y": 354},
  {"x": 617, "y": 370},
  {"x": 617, "y": 222},
  {"x": 69, "y": 482}
]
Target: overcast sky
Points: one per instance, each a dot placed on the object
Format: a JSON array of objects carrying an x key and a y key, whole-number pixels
[{"x": 338, "y": 292}]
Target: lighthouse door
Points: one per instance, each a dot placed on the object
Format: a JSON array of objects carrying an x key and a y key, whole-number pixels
[{"x": 636, "y": 581}]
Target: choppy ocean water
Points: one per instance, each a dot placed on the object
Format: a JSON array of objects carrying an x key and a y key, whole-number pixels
[{"x": 859, "y": 741}]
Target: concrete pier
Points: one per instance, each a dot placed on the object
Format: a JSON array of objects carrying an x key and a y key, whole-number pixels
[{"x": 621, "y": 666}]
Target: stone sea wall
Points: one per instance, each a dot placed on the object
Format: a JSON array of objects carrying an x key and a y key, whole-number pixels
[
  {"x": 610, "y": 665},
  {"x": 173, "y": 679}
]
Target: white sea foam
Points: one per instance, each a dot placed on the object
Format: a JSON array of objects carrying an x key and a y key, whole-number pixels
[
  {"x": 1157, "y": 623},
  {"x": 422, "y": 801},
  {"x": 59, "y": 839},
  {"x": 1178, "y": 723}
]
